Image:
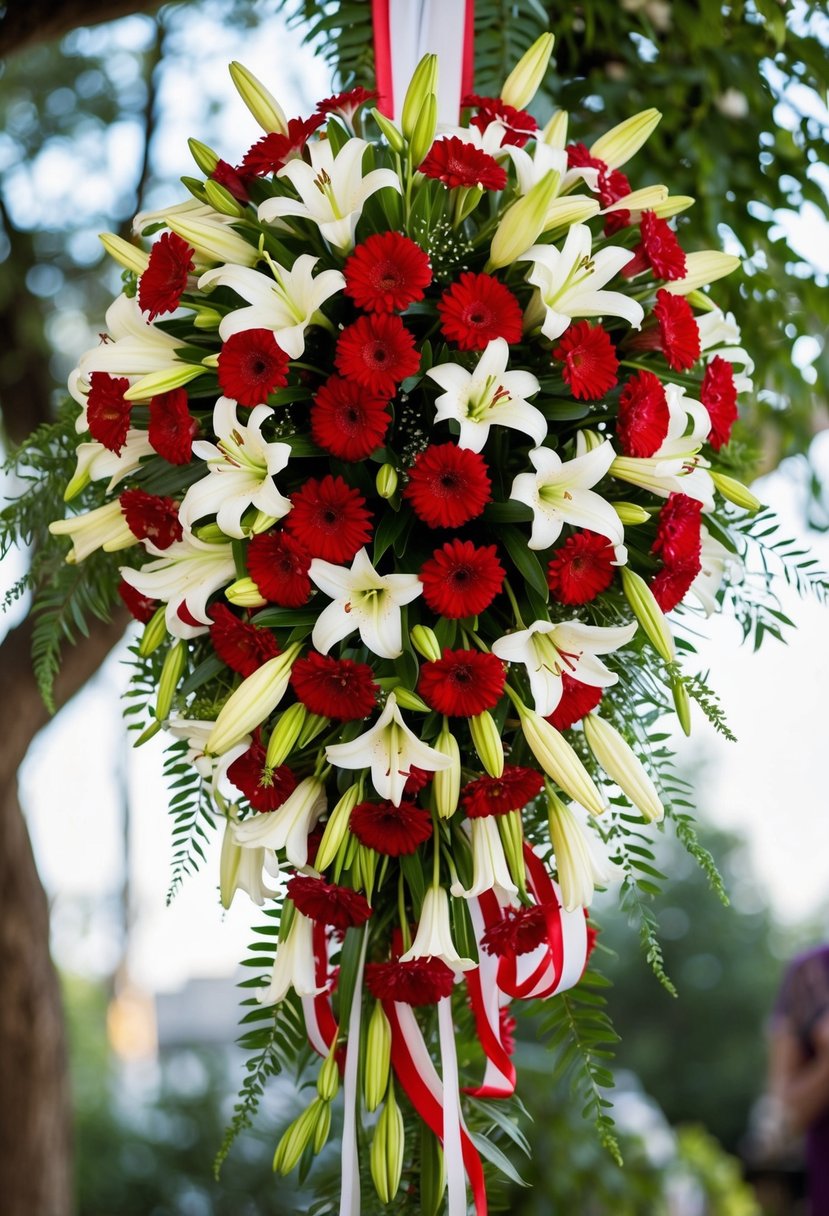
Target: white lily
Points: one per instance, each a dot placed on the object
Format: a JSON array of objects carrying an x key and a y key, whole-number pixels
[
  {"x": 288, "y": 826},
  {"x": 94, "y": 461},
  {"x": 390, "y": 749},
  {"x": 530, "y": 167},
  {"x": 212, "y": 769},
  {"x": 715, "y": 560},
  {"x": 134, "y": 347},
  {"x": 549, "y": 651},
  {"x": 719, "y": 334},
  {"x": 433, "y": 938},
  {"x": 559, "y": 493},
  {"x": 241, "y": 471},
  {"x": 675, "y": 466},
  {"x": 581, "y": 858},
  {"x": 294, "y": 965},
  {"x": 192, "y": 209},
  {"x": 241, "y": 869},
  {"x": 185, "y": 574},
  {"x": 569, "y": 283},
  {"x": 490, "y": 871},
  {"x": 362, "y": 600},
  {"x": 332, "y": 190},
  {"x": 104, "y": 528},
  {"x": 488, "y": 396},
  {"x": 284, "y": 301}
]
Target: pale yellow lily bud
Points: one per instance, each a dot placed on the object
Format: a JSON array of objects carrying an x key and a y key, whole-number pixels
[
  {"x": 387, "y": 1149},
  {"x": 175, "y": 376},
  {"x": 393, "y": 136},
  {"x": 171, "y": 671},
  {"x": 364, "y": 868},
  {"x": 674, "y": 204},
  {"x": 702, "y": 268},
  {"x": 336, "y": 828},
  {"x": 700, "y": 301},
  {"x": 214, "y": 242},
  {"x": 323, "y": 1127},
  {"x": 559, "y": 761},
  {"x": 555, "y": 132},
  {"x": 155, "y": 631},
  {"x": 630, "y": 513},
  {"x": 568, "y": 210},
  {"x": 206, "y": 318},
  {"x": 407, "y": 699},
  {"x": 149, "y": 733},
  {"x": 432, "y": 1177},
  {"x": 591, "y": 440},
  {"x": 221, "y": 200},
  {"x": 734, "y": 491},
  {"x": 124, "y": 252},
  {"x": 386, "y": 481},
  {"x": 447, "y": 782},
  {"x": 285, "y": 734},
  {"x": 252, "y": 702},
  {"x": 205, "y": 157},
  {"x": 646, "y": 199},
  {"x": 618, "y": 145},
  {"x": 263, "y": 105},
  {"x": 682, "y": 705},
  {"x": 487, "y": 743},
  {"x": 260, "y": 523},
  {"x": 511, "y": 831},
  {"x": 314, "y": 723},
  {"x": 77, "y": 483},
  {"x": 211, "y": 534},
  {"x": 578, "y": 863},
  {"x": 648, "y": 613},
  {"x": 245, "y": 594},
  {"x": 328, "y": 1081},
  {"x": 298, "y": 1136},
  {"x": 620, "y": 763},
  {"x": 377, "y": 1057},
  {"x": 426, "y": 643},
  {"x": 423, "y": 82},
  {"x": 522, "y": 84},
  {"x": 523, "y": 222},
  {"x": 424, "y": 131},
  {"x": 230, "y": 860}
]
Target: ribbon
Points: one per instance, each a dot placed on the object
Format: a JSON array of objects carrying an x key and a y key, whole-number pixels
[
  {"x": 405, "y": 31},
  {"x": 487, "y": 1000},
  {"x": 320, "y": 1024},
  {"x": 350, "y": 1189}
]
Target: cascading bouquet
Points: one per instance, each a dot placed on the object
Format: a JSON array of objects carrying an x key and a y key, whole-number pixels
[{"x": 405, "y": 447}]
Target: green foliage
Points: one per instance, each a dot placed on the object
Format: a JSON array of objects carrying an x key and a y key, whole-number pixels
[{"x": 190, "y": 807}]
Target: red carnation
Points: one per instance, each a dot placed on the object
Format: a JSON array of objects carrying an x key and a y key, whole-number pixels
[
  {"x": 719, "y": 396},
  {"x": 387, "y": 273},
  {"x": 463, "y": 683},
  {"x": 225, "y": 175},
  {"x": 643, "y": 415},
  {"x": 151, "y": 518},
  {"x": 500, "y": 795},
  {"x": 108, "y": 411},
  {"x": 265, "y": 788},
  {"x": 461, "y": 580},
  {"x": 658, "y": 250},
  {"x": 577, "y": 699},
  {"x": 323, "y": 901},
  {"x": 329, "y": 519},
  {"x": 273, "y": 151},
  {"x": 678, "y": 331},
  {"x": 252, "y": 365},
  {"x": 589, "y": 357},
  {"x": 346, "y": 104},
  {"x": 456, "y": 164},
  {"x": 448, "y": 485},
  {"x": 672, "y": 583},
  {"x": 334, "y": 688},
  {"x": 477, "y": 309},
  {"x": 612, "y": 184},
  {"x": 417, "y": 780},
  {"x": 139, "y": 606},
  {"x": 279, "y": 567},
  {"x": 394, "y": 831},
  {"x": 423, "y": 981},
  {"x": 377, "y": 352},
  {"x": 347, "y": 420},
  {"x": 581, "y": 568},
  {"x": 172, "y": 427},
  {"x": 519, "y": 126},
  {"x": 678, "y": 539},
  {"x": 161, "y": 285},
  {"x": 244, "y": 647},
  {"x": 519, "y": 931}
]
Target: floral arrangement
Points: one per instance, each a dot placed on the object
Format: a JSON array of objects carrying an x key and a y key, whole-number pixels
[{"x": 404, "y": 442}]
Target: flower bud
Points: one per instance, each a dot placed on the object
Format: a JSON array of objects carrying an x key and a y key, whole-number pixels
[
  {"x": 323, "y": 1127},
  {"x": 521, "y": 86},
  {"x": 393, "y": 137},
  {"x": 579, "y": 864},
  {"x": 245, "y": 594},
  {"x": 364, "y": 868},
  {"x": 487, "y": 742},
  {"x": 252, "y": 702},
  {"x": 155, "y": 631},
  {"x": 285, "y": 734},
  {"x": 648, "y": 613},
  {"x": 124, "y": 252},
  {"x": 566, "y": 211},
  {"x": 386, "y": 481},
  {"x": 701, "y": 302},
  {"x": 206, "y": 318},
  {"x": 424, "y": 131},
  {"x": 522, "y": 222},
  {"x": 377, "y": 1058},
  {"x": 407, "y": 699},
  {"x": 214, "y": 242},
  {"x": 630, "y": 513},
  {"x": 262, "y": 105},
  {"x": 423, "y": 82},
  {"x": 674, "y": 204},
  {"x": 148, "y": 733},
  {"x": 646, "y": 199},
  {"x": 511, "y": 830},
  {"x": 426, "y": 643},
  {"x": 387, "y": 1150},
  {"x": 221, "y": 200},
  {"x": 432, "y": 1173},
  {"x": 734, "y": 491},
  {"x": 297, "y": 1137},
  {"x": 205, "y": 157},
  {"x": 682, "y": 704},
  {"x": 328, "y": 1081},
  {"x": 336, "y": 828},
  {"x": 618, "y": 145},
  {"x": 447, "y": 782},
  {"x": 555, "y": 132},
  {"x": 102, "y": 528},
  {"x": 702, "y": 268},
  {"x": 175, "y": 376},
  {"x": 619, "y": 762},
  {"x": 559, "y": 761},
  {"x": 314, "y": 723},
  {"x": 171, "y": 671}
]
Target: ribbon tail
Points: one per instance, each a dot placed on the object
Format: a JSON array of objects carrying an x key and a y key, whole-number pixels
[
  {"x": 452, "y": 1151},
  {"x": 350, "y": 1189},
  {"x": 320, "y": 1024}
]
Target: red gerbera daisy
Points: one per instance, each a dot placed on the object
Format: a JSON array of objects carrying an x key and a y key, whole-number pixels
[
  {"x": 519, "y": 931},
  {"x": 387, "y": 273},
  {"x": 273, "y": 151},
  {"x": 329, "y": 519},
  {"x": 265, "y": 788},
  {"x": 672, "y": 583},
  {"x": 719, "y": 396},
  {"x": 678, "y": 331},
  {"x": 139, "y": 606},
  {"x": 499, "y": 795},
  {"x": 461, "y": 580},
  {"x": 448, "y": 485},
  {"x": 643, "y": 415},
  {"x": 456, "y": 164},
  {"x": 107, "y": 410},
  {"x": 423, "y": 981},
  {"x": 225, "y": 175},
  {"x": 577, "y": 699},
  {"x": 477, "y": 309},
  {"x": 244, "y": 647},
  {"x": 334, "y": 688},
  {"x": 172, "y": 427},
  {"x": 163, "y": 282},
  {"x": 518, "y": 124},
  {"x": 151, "y": 518},
  {"x": 658, "y": 250},
  {"x": 581, "y": 568},
  {"x": 678, "y": 538},
  {"x": 394, "y": 831},
  {"x": 346, "y": 104},
  {"x": 377, "y": 352},
  {"x": 347, "y": 420},
  {"x": 252, "y": 365},
  {"x": 323, "y": 901},
  {"x": 463, "y": 683},
  {"x": 589, "y": 357},
  {"x": 279, "y": 567}
]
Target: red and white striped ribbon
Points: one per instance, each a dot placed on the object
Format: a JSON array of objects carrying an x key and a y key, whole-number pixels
[{"x": 405, "y": 31}]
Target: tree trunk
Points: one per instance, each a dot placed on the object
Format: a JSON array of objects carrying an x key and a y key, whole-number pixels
[{"x": 28, "y": 21}]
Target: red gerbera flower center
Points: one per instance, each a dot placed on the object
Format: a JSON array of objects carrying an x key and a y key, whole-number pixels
[
  {"x": 347, "y": 420},
  {"x": 461, "y": 580},
  {"x": 394, "y": 831},
  {"x": 172, "y": 427},
  {"x": 279, "y": 567},
  {"x": 519, "y": 931},
  {"x": 678, "y": 331},
  {"x": 477, "y": 309},
  {"x": 151, "y": 518},
  {"x": 387, "y": 273},
  {"x": 423, "y": 981},
  {"x": 499, "y": 795},
  {"x": 456, "y": 164},
  {"x": 334, "y": 688},
  {"x": 719, "y": 396},
  {"x": 265, "y": 788},
  {"x": 448, "y": 485},
  {"x": 577, "y": 699},
  {"x": 589, "y": 357},
  {"x": 377, "y": 352},
  {"x": 329, "y": 519},
  {"x": 252, "y": 365},
  {"x": 464, "y": 683},
  {"x": 163, "y": 282},
  {"x": 581, "y": 568},
  {"x": 330, "y": 904},
  {"x": 643, "y": 415},
  {"x": 107, "y": 410},
  {"x": 244, "y": 647}
]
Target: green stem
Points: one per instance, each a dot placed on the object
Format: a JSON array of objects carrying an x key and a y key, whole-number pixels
[
  {"x": 514, "y": 603},
  {"x": 401, "y": 912}
]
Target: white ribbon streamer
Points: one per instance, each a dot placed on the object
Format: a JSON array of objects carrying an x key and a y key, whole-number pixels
[
  {"x": 350, "y": 1192},
  {"x": 452, "y": 1148},
  {"x": 422, "y": 27}
]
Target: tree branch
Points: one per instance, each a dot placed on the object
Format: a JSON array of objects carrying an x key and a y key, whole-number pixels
[{"x": 25, "y": 22}]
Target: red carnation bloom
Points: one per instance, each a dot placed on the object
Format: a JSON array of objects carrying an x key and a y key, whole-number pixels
[
  {"x": 519, "y": 931},
  {"x": 346, "y": 104},
  {"x": 589, "y": 357},
  {"x": 334, "y": 688},
  {"x": 244, "y": 647},
  {"x": 577, "y": 699},
  {"x": 139, "y": 606},
  {"x": 347, "y": 420},
  {"x": 394, "y": 831},
  {"x": 265, "y": 788},
  {"x": 456, "y": 163},
  {"x": 323, "y": 901},
  {"x": 463, "y": 683},
  {"x": 417, "y": 780},
  {"x": 581, "y": 568},
  {"x": 279, "y": 567},
  {"x": 461, "y": 580},
  {"x": 643, "y": 415},
  {"x": 423, "y": 981},
  {"x": 387, "y": 273},
  {"x": 107, "y": 410},
  {"x": 151, "y": 518},
  {"x": 678, "y": 331},
  {"x": 678, "y": 538},
  {"x": 518, "y": 124},
  {"x": 658, "y": 250},
  {"x": 329, "y": 519},
  {"x": 163, "y": 282},
  {"x": 377, "y": 352},
  {"x": 273, "y": 151},
  {"x": 252, "y": 365},
  {"x": 500, "y": 795},
  {"x": 477, "y": 309},
  {"x": 719, "y": 396},
  {"x": 448, "y": 485},
  {"x": 172, "y": 427},
  {"x": 672, "y": 583},
  {"x": 612, "y": 184}
]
